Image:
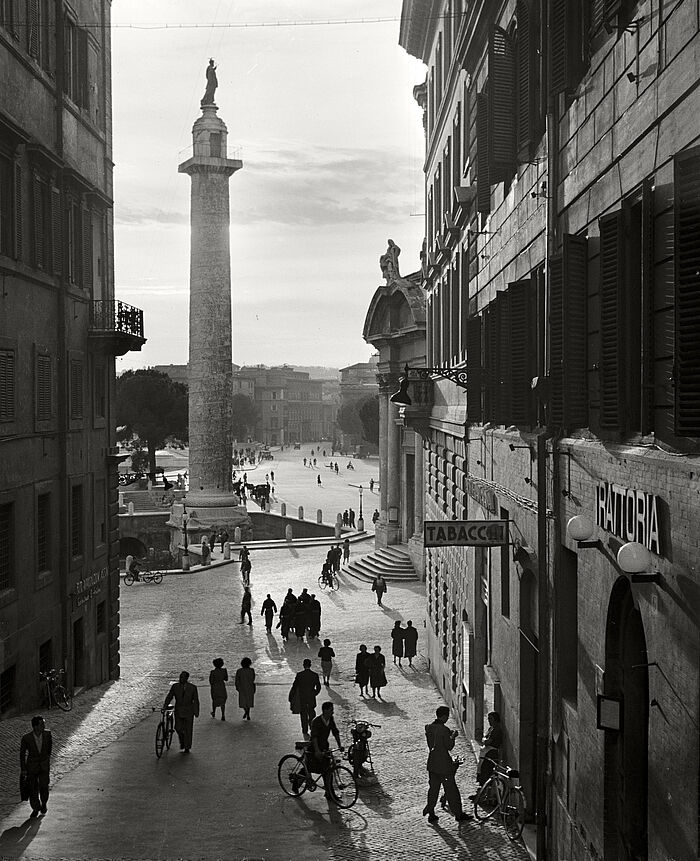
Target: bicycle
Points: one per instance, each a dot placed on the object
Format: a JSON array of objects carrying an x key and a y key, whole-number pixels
[
  {"x": 165, "y": 730},
  {"x": 295, "y": 777},
  {"x": 56, "y": 693},
  {"x": 501, "y": 794},
  {"x": 359, "y": 751},
  {"x": 145, "y": 576},
  {"x": 331, "y": 582}
]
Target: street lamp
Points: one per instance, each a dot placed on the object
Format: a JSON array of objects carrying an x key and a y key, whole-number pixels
[
  {"x": 401, "y": 398},
  {"x": 360, "y": 519},
  {"x": 186, "y": 554}
]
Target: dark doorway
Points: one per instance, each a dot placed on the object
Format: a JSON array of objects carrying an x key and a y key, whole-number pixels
[
  {"x": 626, "y": 751},
  {"x": 527, "y": 729},
  {"x": 78, "y": 653}
]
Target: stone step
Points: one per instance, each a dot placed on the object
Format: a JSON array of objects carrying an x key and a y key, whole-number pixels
[
  {"x": 390, "y": 566},
  {"x": 394, "y": 553}
]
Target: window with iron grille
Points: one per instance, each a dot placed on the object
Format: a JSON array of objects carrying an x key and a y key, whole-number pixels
[
  {"x": 76, "y": 520},
  {"x": 46, "y": 656},
  {"x": 76, "y": 389},
  {"x": 44, "y": 400},
  {"x": 101, "y": 618},
  {"x": 7, "y": 385},
  {"x": 6, "y": 546},
  {"x": 7, "y": 688},
  {"x": 43, "y": 532}
]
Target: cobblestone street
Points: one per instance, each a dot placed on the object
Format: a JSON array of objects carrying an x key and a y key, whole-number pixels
[{"x": 111, "y": 798}]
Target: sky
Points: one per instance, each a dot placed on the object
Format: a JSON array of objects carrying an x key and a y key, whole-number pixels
[{"x": 323, "y": 117}]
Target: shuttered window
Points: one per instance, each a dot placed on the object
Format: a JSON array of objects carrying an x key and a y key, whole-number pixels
[
  {"x": 33, "y": 35},
  {"x": 41, "y": 212},
  {"x": 483, "y": 187},
  {"x": 501, "y": 107},
  {"x": 56, "y": 232},
  {"x": 567, "y": 334},
  {"x": 6, "y": 546},
  {"x": 18, "y": 212},
  {"x": 491, "y": 362},
  {"x": 44, "y": 388},
  {"x": 6, "y": 206},
  {"x": 86, "y": 251},
  {"x": 687, "y": 293},
  {"x": 566, "y": 49},
  {"x": 43, "y": 532},
  {"x": 7, "y": 385},
  {"x": 522, "y": 347},
  {"x": 9, "y": 16},
  {"x": 76, "y": 520},
  {"x": 474, "y": 373},
  {"x": 611, "y": 355},
  {"x": 76, "y": 389},
  {"x": 526, "y": 81}
]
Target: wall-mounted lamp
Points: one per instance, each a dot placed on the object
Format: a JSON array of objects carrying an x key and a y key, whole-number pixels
[
  {"x": 479, "y": 463},
  {"x": 485, "y": 256},
  {"x": 635, "y": 559},
  {"x": 541, "y": 193},
  {"x": 481, "y": 232},
  {"x": 527, "y": 480},
  {"x": 566, "y": 494},
  {"x": 631, "y": 77},
  {"x": 581, "y": 530},
  {"x": 401, "y": 397}
]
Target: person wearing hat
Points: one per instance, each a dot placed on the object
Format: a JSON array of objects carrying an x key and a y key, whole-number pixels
[{"x": 217, "y": 686}]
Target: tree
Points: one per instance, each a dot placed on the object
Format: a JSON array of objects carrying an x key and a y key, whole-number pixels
[
  {"x": 246, "y": 415},
  {"x": 368, "y": 411},
  {"x": 348, "y": 419},
  {"x": 153, "y": 407}
]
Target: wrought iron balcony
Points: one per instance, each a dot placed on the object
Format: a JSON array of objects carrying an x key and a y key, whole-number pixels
[{"x": 115, "y": 327}]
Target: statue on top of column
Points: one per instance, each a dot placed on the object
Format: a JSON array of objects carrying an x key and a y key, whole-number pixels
[
  {"x": 389, "y": 262},
  {"x": 212, "y": 84}
]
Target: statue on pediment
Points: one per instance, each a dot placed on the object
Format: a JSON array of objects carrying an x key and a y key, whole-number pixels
[{"x": 389, "y": 262}]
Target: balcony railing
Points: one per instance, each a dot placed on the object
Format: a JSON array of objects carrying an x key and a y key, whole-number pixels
[{"x": 116, "y": 325}]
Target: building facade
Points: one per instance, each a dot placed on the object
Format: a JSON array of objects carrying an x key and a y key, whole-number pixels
[
  {"x": 560, "y": 272},
  {"x": 60, "y": 330}
]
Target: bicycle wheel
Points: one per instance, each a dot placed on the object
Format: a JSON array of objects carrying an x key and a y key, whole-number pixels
[
  {"x": 513, "y": 812},
  {"x": 62, "y": 698},
  {"x": 169, "y": 731},
  {"x": 160, "y": 739},
  {"x": 343, "y": 788},
  {"x": 486, "y": 801},
  {"x": 336, "y": 584},
  {"x": 291, "y": 774},
  {"x": 129, "y": 579},
  {"x": 157, "y": 576},
  {"x": 322, "y": 582}
]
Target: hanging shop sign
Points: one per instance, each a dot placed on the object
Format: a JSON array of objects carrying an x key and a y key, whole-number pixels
[
  {"x": 632, "y": 515},
  {"x": 609, "y": 713},
  {"x": 88, "y": 587},
  {"x": 465, "y": 533},
  {"x": 486, "y": 498}
]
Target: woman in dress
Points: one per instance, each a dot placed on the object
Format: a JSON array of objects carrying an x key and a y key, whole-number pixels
[
  {"x": 362, "y": 670},
  {"x": 377, "y": 676},
  {"x": 326, "y": 654},
  {"x": 217, "y": 686},
  {"x": 397, "y": 633},
  {"x": 245, "y": 685}
]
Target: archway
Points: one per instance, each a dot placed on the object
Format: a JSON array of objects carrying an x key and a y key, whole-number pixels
[
  {"x": 626, "y": 750},
  {"x": 132, "y": 546}
]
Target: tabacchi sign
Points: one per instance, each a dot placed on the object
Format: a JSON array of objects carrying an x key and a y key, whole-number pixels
[
  {"x": 465, "y": 533},
  {"x": 632, "y": 515}
]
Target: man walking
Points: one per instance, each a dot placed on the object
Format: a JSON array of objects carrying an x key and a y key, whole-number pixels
[
  {"x": 245, "y": 606},
  {"x": 304, "y": 690},
  {"x": 269, "y": 608},
  {"x": 441, "y": 767},
  {"x": 346, "y": 551},
  {"x": 35, "y": 763},
  {"x": 186, "y": 709},
  {"x": 379, "y": 586},
  {"x": 410, "y": 642}
]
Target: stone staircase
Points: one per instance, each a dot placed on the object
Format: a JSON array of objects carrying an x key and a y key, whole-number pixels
[
  {"x": 393, "y": 563},
  {"x": 145, "y": 500}
]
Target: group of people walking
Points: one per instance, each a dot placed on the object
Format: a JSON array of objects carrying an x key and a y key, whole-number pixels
[{"x": 404, "y": 642}]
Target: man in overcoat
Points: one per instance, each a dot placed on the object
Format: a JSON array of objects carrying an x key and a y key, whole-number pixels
[
  {"x": 186, "y": 709},
  {"x": 441, "y": 767},
  {"x": 34, "y": 763},
  {"x": 306, "y": 687}
]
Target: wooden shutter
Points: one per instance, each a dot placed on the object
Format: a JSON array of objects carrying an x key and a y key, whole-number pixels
[
  {"x": 56, "y": 232},
  {"x": 43, "y": 388},
  {"x": 18, "y": 211},
  {"x": 38, "y": 221},
  {"x": 565, "y": 46},
  {"x": 501, "y": 107},
  {"x": 33, "y": 40},
  {"x": 490, "y": 362},
  {"x": 687, "y": 293},
  {"x": 474, "y": 373},
  {"x": 556, "y": 341},
  {"x": 483, "y": 187},
  {"x": 526, "y": 82},
  {"x": 503, "y": 387},
  {"x": 86, "y": 250},
  {"x": 76, "y": 389},
  {"x": 521, "y": 345},
  {"x": 82, "y": 82},
  {"x": 611, "y": 326},
  {"x": 647, "y": 300},
  {"x": 7, "y": 385}
]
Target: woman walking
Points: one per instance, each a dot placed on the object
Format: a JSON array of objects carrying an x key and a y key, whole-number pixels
[
  {"x": 245, "y": 685},
  {"x": 217, "y": 687},
  {"x": 397, "y": 637},
  {"x": 377, "y": 676},
  {"x": 362, "y": 670},
  {"x": 326, "y": 654}
]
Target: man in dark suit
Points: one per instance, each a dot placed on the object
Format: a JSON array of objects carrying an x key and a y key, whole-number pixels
[
  {"x": 186, "y": 709},
  {"x": 306, "y": 687},
  {"x": 34, "y": 763},
  {"x": 441, "y": 767}
]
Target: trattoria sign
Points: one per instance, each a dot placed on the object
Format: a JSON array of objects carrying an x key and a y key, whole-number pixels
[
  {"x": 465, "y": 533},
  {"x": 632, "y": 515}
]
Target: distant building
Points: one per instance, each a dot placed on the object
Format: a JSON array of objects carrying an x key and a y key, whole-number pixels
[
  {"x": 359, "y": 381},
  {"x": 60, "y": 330}
]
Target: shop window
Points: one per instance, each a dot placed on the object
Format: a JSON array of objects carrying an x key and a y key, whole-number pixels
[
  {"x": 77, "y": 535},
  {"x": 43, "y": 532},
  {"x": 101, "y": 618},
  {"x": 7, "y": 688},
  {"x": 567, "y": 625},
  {"x": 7, "y": 555},
  {"x": 46, "y": 656},
  {"x": 7, "y": 385}
]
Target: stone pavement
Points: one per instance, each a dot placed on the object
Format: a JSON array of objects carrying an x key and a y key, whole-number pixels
[{"x": 112, "y": 799}]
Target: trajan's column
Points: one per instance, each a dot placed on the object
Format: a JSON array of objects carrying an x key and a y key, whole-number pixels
[{"x": 210, "y": 500}]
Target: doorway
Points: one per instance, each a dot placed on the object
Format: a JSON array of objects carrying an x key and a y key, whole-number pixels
[
  {"x": 78, "y": 653},
  {"x": 626, "y": 750},
  {"x": 527, "y": 729}
]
